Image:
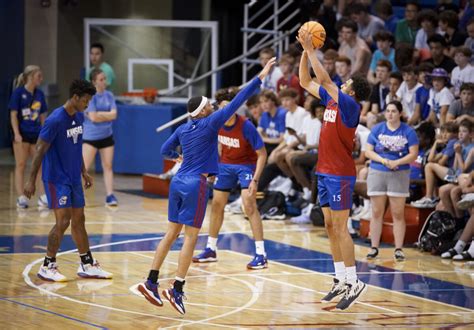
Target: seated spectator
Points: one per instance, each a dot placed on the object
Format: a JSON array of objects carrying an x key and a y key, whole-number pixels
[
  {"x": 392, "y": 146},
  {"x": 394, "y": 83},
  {"x": 407, "y": 93},
  {"x": 428, "y": 22},
  {"x": 289, "y": 79},
  {"x": 437, "y": 47},
  {"x": 405, "y": 55},
  {"x": 469, "y": 43},
  {"x": 407, "y": 27},
  {"x": 457, "y": 253},
  {"x": 422, "y": 109},
  {"x": 254, "y": 110},
  {"x": 270, "y": 81},
  {"x": 368, "y": 25},
  {"x": 384, "y": 10},
  {"x": 466, "y": 15},
  {"x": 272, "y": 122},
  {"x": 379, "y": 91},
  {"x": 343, "y": 68},
  {"x": 384, "y": 51},
  {"x": 462, "y": 109},
  {"x": 444, "y": 5},
  {"x": 448, "y": 22},
  {"x": 464, "y": 72},
  {"x": 329, "y": 64},
  {"x": 96, "y": 57},
  {"x": 354, "y": 47},
  {"x": 440, "y": 96}
]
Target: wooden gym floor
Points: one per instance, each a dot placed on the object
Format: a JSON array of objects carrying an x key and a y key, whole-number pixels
[{"x": 422, "y": 292}]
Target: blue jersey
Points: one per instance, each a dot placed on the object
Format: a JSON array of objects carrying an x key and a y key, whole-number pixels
[
  {"x": 98, "y": 131},
  {"x": 449, "y": 151},
  {"x": 29, "y": 107},
  {"x": 273, "y": 127},
  {"x": 198, "y": 137},
  {"x": 391, "y": 145},
  {"x": 421, "y": 96},
  {"x": 62, "y": 162}
]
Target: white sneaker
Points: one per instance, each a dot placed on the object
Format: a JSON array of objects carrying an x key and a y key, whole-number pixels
[
  {"x": 302, "y": 219},
  {"x": 366, "y": 213},
  {"x": 22, "y": 202},
  {"x": 51, "y": 273},
  {"x": 43, "y": 201},
  {"x": 236, "y": 206},
  {"x": 425, "y": 203},
  {"x": 466, "y": 202},
  {"x": 93, "y": 271}
]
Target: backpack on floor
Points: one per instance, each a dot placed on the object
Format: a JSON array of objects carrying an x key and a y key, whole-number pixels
[
  {"x": 438, "y": 232},
  {"x": 271, "y": 204}
]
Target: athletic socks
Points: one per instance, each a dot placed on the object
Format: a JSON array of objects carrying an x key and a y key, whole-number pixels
[
  {"x": 351, "y": 275},
  {"x": 48, "y": 260},
  {"x": 471, "y": 249},
  {"x": 212, "y": 243},
  {"x": 178, "y": 284},
  {"x": 86, "y": 258},
  {"x": 153, "y": 276},
  {"x": 260, "y": 248},
  {"x": 460, "y": 245},
  {"x": 340, "y": 271}
]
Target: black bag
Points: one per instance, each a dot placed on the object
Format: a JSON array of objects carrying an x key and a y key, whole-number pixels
[
  {"x": 272, "y": 205},
  {"x": 316, "y": 215},
  {"x": 438, "y": 233}
]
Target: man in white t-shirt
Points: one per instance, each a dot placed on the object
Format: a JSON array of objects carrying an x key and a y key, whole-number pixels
[
  {"x": 464, "y": 72},
  {"x": 406, "y": 93},
  {"x": 440, "y": 96},
  {"x": 270, "y": 81}
]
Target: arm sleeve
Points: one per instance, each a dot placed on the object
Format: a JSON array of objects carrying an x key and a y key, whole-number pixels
[
  {"x": 218, "y": 118},
  {"x": 349, "y": 109},
  {"x": 372, "y": 140},
  {"x": 91, "y": 106},
  {"x": 113, "y": 105},
  {"x": 168, "y": 149},
  {"x": 252, "y": 136},
  {"x": 48, "y": 131},
  {"x": 446, "y": 98},
  {"x": 325, "y": 97},
  {"x": 412, "y": 137}
]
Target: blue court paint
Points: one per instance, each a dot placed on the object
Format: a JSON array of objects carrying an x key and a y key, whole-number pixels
[
  {"x": 413, "y": 284},
  {"x": 53, "y": 313}
]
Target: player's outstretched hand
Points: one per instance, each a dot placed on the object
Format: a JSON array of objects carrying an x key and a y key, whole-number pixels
[
  {"x": 29, "y": 189},
  {"x": 267, "y": 68},
  {"x": 88, "y": 180},
  {"x": 305, "y": 39}
]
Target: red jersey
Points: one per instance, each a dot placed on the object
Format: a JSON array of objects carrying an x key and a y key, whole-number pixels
[
  {"x": 336, "y": 141},
  {"x": 293, "y": 82},
  {"x": 239, "y": 143}
]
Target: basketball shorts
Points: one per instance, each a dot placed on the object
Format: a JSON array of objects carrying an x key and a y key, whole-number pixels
[
  {"x": 336, "y": 191},
  {"x": 62, "y": 196},
  {"x": 230, "y": 174},
  {"x": 188, "y": 198}
]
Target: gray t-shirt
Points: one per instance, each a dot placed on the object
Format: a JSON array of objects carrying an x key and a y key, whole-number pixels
[{"x": 456, "y": 109}]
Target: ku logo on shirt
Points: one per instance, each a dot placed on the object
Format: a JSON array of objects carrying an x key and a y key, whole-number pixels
[{"x": 74, "y": 133}]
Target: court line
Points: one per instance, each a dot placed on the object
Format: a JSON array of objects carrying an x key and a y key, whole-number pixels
[
  {"x": 253, "y": 289},
  {"x": 53, "y": 313}
]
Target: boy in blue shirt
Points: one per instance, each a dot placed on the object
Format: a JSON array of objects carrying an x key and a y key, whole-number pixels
[
  {"x": 59, "y": 148},
  {"x": 188, "y": 190}
]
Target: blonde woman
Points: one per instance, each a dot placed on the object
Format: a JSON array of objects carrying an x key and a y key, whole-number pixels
[{"x": 27, "y": 114}]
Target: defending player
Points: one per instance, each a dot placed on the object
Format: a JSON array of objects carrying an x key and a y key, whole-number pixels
[
  {"x": 243, "y": 156},
  {"x": 336, "y": 168},
  {"x": 59, "y": 147},
  {"x": 188, "y": 191}
]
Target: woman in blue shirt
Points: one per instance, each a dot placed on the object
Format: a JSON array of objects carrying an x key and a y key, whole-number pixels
[
  {"x": 98, "y": 134},
  {"x": 27, "y": 114},
  {"x": 391, "y": 147}
]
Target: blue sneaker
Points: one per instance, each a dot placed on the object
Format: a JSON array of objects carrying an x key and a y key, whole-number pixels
[
  {"x": 150, "y": 291},
  {"x": 208, "y": 255},
  {"x": 111, "y": 200},
  {"x": 175, "y": 298},
  {"x": 258, "y": 262}
]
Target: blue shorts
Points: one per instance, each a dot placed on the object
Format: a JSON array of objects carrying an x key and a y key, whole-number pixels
[
  {"x": 230, "y": 174},
  {"x": 61, "y": 196},
  {"x": 336, "y": 191},
  {"x": 188, "y": 200}
]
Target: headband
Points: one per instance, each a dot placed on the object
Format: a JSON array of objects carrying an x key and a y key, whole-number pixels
[{"x": 200, "y": 107}]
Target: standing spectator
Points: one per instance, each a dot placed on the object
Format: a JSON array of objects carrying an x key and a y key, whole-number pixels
[
  {"x": 392, "y": 146},
  {"x": 448, "y": 22},
  {"x": 343, "y": 68},
  {"x": 275, "y": 74},
  {"x": 407, "y": 27},
  {"x": 27, "y": 114},
  {"x": 464, "y": 72},
  {"x": 428, "y": 22},
  {"x": 384, "y": 51},
  {"x": 440, "y": 96},
  {"x": 96, "y": 57},
  {"x": 272, "y": 122},
  {"x": 422, "y": 109},
  {"x": 407, "y": 92},
  {"x": 469, "y": 43},
  {"x": 438, "y": 58},
  {"x": 463, "y": 109},
  {"x": 384, "y": 10},
  {"x": 368, "y": 24},
  {"x": 329, "y": 63},
  {"x": 289, "y": 79},
  {"x": 354, "y": 48},
  {"x": 98, "y": 135}
]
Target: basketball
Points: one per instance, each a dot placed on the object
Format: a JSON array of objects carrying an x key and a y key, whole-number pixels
[{"x": 317, "y": 31}]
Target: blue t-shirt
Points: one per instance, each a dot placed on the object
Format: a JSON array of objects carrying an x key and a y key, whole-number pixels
[
  {"x": 378, "y": 55},
  {"x": 416, "y": 168},
  {"x": 465, "y": 152},
  {"x": 98, "y": 131},
  {"x": 449, "y": 151},
  {"x": 274, "y": 127},
  {"x": 29, "y": 107},
  {"x": 198, "y": 137},
  {"x": 391, "y": 145},
  {"x": 421, "y": 96},
  {"x": 62, "y": 163}
]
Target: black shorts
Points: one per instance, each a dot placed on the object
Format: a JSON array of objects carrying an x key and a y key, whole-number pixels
[
  {"x": 31, "y": 139},
  {"x": 101, "y": 144}
]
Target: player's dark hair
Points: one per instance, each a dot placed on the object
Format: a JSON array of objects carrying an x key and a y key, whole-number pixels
[
  {"x": 467, "y": 86},
  {"x": 94, "y": 73},
  {"x": 81, "y": 87},
  {"x": 98, "y": 45},
  {"x": 397, "y": 105},
  {"x": 361, "y": 88},
  {"x": 226, "y": 94},
  {"x": 194, "y": 103},
  {"x": 427, "y": 130}
]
